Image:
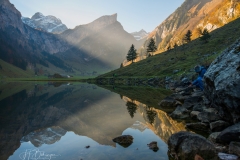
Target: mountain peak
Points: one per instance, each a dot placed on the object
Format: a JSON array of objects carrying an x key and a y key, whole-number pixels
[
  {"x": 114, "y": 16},
  {"x": 45, "y": 23},
  {"x": 37, "y": 15},
  {"x": 107, "y": 19},
  {"x": 140, "y": 35}
]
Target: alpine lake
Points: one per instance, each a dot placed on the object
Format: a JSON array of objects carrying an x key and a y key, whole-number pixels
[{"x": 78, "y": 121}]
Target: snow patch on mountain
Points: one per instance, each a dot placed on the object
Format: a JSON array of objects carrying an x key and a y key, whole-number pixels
[
  {"x": 140, "y": 34},
  {"x": 46, "y": 23}
]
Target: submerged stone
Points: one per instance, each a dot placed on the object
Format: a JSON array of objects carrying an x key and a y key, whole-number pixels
[
  {"x": 153, "y": 146},
  {"x": 124, "y": 140}
]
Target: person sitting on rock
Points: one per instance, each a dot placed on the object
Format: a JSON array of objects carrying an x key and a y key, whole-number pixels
[{"x": 199, "y": 81}]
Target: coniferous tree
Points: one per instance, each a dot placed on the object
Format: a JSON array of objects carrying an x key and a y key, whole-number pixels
[
  {"x": 151, "y": 114},
  {"x": 205, "y": 36},
  {"x": 132, "y": 54},
  {"x": 187, "y": 37},
  {"x": 151, "y": 47},
  {"x": 132, "y": 108}
]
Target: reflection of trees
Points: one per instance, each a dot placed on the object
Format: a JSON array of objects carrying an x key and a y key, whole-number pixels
[
  {"x": 151, "y": 114},
  {"x": 131, "y": 107}
]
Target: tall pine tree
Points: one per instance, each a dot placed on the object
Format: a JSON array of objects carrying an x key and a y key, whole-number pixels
[
  {"x": 132, "y": 54},
  {"x": 187, "y": 37},
  {"x": 151, "y": 47},
  {"x": 205, "y": 36}
]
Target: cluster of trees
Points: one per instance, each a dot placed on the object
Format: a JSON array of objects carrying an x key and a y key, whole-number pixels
[
  {"x": 204, "y": 35},
  {"x": 132, "y": 108},
  {"x": 151, "y": 48},
  {"x": 132, "y": 53}
]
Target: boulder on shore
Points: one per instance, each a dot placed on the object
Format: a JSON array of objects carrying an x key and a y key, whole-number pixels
[
  {"x": 234, "y": 148},
  {"x": 185, "y": 145},
  {"x": 230, "y": 134},
  {"x": 169, "y": 102},
  {"x": 198, "y": 126},
  {"x": 180, "y": 113},
  {"x": 218, "y": 126}
]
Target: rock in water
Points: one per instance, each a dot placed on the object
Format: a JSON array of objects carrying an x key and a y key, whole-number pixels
[
  {"x": 186, "y": 145},
  {"x": 124, "y": 140},
  {"x": 222, "y": 83},
  {"x": 153, "y": 146}
]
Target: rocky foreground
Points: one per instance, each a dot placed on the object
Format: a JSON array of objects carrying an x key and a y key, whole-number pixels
[{"x": 214, "y": 112}]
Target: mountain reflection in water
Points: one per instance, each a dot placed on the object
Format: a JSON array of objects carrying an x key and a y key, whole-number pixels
[{"x": 63, "y": 119}]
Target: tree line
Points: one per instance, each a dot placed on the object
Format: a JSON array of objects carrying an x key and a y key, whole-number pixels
[
  {"x": 151, "y": 48},
  {"x": 132, "y": 53}
]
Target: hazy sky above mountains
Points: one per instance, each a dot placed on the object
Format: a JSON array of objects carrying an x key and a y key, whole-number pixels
[{"x": 134, "y": 15}]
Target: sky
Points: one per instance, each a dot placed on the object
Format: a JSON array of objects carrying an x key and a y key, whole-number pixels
[{"x": 134, "y": 15}]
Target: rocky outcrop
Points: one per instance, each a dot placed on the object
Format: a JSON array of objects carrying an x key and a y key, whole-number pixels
[
  {"x": 186, "y": 145},
  {"x": 222, "y": 83},
  {"x": 46, "y": 23}
]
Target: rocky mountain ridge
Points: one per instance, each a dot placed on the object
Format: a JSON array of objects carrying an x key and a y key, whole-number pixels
[
  {"x": 46, "y": 23},
  {"x": 107, "y": 35},
  {"x": 193, "y": 15},
  {"x": 88, "y": 49}
]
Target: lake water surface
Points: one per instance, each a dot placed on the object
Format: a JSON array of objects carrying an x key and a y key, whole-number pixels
[{"x": 78, "y": 121}]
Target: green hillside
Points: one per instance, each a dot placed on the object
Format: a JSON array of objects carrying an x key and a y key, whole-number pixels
[
  {"x": 9, "y": 71},
  {"x": 182, "y": 59}
]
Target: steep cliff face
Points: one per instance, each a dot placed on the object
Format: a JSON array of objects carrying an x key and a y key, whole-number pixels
[
  {"x": 193, "y": 14},
  {"x": 46, "y": 23}
]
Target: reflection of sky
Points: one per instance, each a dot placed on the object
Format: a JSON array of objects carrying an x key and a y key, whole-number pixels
[{"x": 72, "y": 146}]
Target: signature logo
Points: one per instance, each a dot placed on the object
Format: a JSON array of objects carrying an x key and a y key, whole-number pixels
[{"x": 36, "y": 154}]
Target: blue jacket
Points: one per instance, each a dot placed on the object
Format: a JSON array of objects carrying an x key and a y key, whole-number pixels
[{"x": 198, "y": 82}]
